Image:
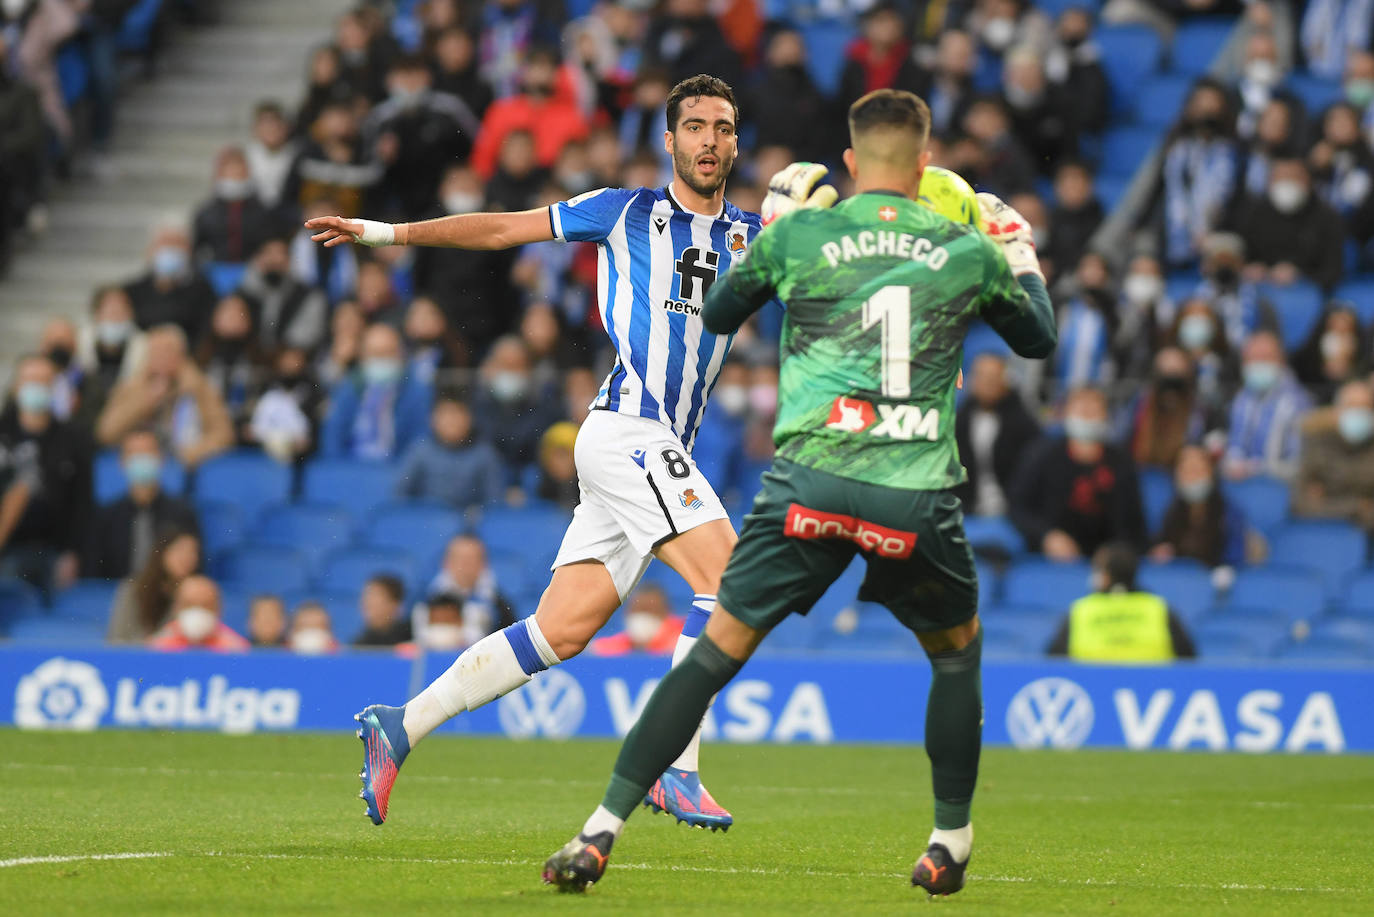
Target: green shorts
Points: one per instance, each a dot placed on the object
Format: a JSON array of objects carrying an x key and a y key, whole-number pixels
[{"x": 807, "y": 525}]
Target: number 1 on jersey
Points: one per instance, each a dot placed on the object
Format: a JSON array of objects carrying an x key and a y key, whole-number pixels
[{"x": 890, "y": 307}]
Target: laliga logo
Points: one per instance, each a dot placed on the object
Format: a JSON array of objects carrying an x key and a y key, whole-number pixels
[
  {"x": 61, "y": 694},
  {"x": 1050, "y": 711},
  {"x": 551, "y": 705}
]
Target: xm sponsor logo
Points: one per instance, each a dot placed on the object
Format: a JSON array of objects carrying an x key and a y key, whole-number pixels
[
  {"x": 1053, "y": 712},
  {"x": 551, "y": 705},
  {"x": 69, "y": 694}
]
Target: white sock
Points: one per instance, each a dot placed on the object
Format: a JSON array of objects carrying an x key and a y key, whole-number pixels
[
  {"x": 493, "y": 666},
  {"x": 603, "y": 820},
  {"x": 702, "y": 606},
  {"x": 959, "y": 841}
]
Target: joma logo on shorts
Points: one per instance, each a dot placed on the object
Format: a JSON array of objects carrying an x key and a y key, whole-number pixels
[
  {"x": 894, "y": 421},
  {"x": 804, "y": 522}
]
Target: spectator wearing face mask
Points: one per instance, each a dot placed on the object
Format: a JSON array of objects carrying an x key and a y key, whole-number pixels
[
  {"x": 416, "y": 133},
  {"x": 1200, "y": 172},
  {"x": 1075, "y": 214},
  {"x": 1202, "y": 524},
  {"x": 551, "y": 119},
  {"x": 557, "y": 471},
  {"x": 1333, "y": 354},
  {"x": 880, "y": 58},
  {"x": 122, "y": 534},
  {"x": 434, "y": 347},
  {"x": 1076, "y": 491},
  {"x": 1260, "y": 75},
  {"x": 1278, "y": 134},
  {"x": 1169, "y": 414},
  {"x": 1198, "y": 332},
  {"x": 380, "y": 603},
  {"x": 519, "y": 179},
  {"x": 1002, "y": 164},
  {"x": 171, "y": 396},
  {"x": 1144, "y": 315},
  {"x": 231, "y": 358},
  {"x": 1040, "y": 115},
  {"x": 1336, "y": 477},
  {"x": 1290, "y": 234},
  {"x": 144, "y": 603},
  {"x": 233, "y": 224},
  {"x": 444, "y": 631},
  {"x": 50, "y": 462},
  {"x": 285, "y": 413},
  {"x": 1085, "y": 326},
  {"x": 455, "y": 70},
  {"x": 515, "y": 410},
  {"x": 312, "y": 632},
  {"x": 1342, "y": 163},
  {"x": 376, "y": 412},
  {"x": 993, "y": 430},
  {"x": 719, "y": 447},
  {"x": 1235, "y": 297},
  {"x": 58, "y": 344},
  {"x": 267, "y": 622},
  {"x": 1266, "y": 414},
  {"x": 785, "y": 102},
  {"x": 108, "y": 347},
  {"x": 466, "y": 575},
  {"x": 333, "y": 271},
  {"x": 171, "y": 292},
  {"x": 286, "y": 312},
  {"x": 650, "y": 627},
  {"x": 1075, "y": 67},
  {"x": 270, "y": 155},
  {"x": 196, "y": 623},
  {"x": 451, "y": 466},
  {"x": 377, "y": 299}
]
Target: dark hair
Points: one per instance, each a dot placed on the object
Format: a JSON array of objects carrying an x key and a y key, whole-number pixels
[
  {"x": 1120, "y": 562},
  {"x": 152, "y": 587},
  {"x": 390, "y": 583},
  {"x": 890, "y": 108},
  {"x": 269, "y": 107},
  {"x": 102, "y": 291},
  {"x": 445, "y": 600},
  {"x": 408, "y": 62},
  {"x": 695, "y": 87}
]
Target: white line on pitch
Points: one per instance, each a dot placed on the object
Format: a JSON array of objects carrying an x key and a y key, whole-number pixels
[{"x": 77, "y": 858}]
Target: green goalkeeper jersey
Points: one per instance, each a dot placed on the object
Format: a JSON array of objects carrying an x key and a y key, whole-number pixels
[{"x": 879, "y": 292}]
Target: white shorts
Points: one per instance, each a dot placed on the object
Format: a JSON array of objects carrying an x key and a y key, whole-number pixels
[{"x": 639, "y": 487}]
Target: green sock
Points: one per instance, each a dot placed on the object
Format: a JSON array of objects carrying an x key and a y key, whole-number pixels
[
  {"x": 669, "y": 720},
  {"x": 954, "y": 731}
]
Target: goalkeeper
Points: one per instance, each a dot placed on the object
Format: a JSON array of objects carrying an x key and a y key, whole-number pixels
[{"x": 880, "y": 292}]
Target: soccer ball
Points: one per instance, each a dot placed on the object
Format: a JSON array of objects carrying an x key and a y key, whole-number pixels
[{"x": 949, "y": 195}]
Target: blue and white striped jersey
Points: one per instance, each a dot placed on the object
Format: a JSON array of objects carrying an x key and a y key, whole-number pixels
[{"x": 656, "y": 262}]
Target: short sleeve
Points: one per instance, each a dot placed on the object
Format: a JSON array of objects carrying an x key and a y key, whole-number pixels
[{"x": 589, "y": 217}]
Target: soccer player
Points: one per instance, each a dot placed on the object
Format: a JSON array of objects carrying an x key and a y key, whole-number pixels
[
  {"x": 642, "y": 496},
  {"x": 879, "y": 292}
]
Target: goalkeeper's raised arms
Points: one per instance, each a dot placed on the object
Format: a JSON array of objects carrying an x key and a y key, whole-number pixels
[
  {"x": 1008, "y": 227},
  {"x": 794, "y": 188}
]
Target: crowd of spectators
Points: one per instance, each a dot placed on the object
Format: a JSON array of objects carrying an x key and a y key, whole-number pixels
[{"x": 468, "y": 372}]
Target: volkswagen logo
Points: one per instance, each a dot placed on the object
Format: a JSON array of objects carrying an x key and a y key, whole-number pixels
[
  {"x": 552, "y": 705},
  {"x": 61, "y": 694},
  {"x": 1050, "y": 712}
]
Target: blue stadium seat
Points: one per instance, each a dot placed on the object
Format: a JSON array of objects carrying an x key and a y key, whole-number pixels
[
  {"x": 1328, "y": 651},
  {"x": 989, "y": 583},
  {"x": 826, "y": 42},
  {"x": 110, "y": 484},
  {"x": 1296, "y": 594},
  {"x": 1030, "y": 627},
  {"x": 1042, "y": 582},
  {"x": 1356, "y": 630},
  {"x": 1159, "y": 99},
  {"x": 1264, "y": 501},
  {"x": 1008, "y": 643},
  {"x": 1359, "y": 595},
  {"x": 1360, "y": 294},
  {"x": 422, "y": 528},
  {"x": 521, "y": 582},
  {"x": 1333, "y": 549},
  {"x": 262, "y": 568},
  {"x": 73, "y": 72},
  {"x": 1299, "y": 306},
  {"x": 1111, "y": 189},
  {"x": 234, "y": 605},
  {"x": 1130, "y": 53},
  {"x": 1053, "y": 8},
  {"x": 140, "y": 22},
  {"x": 1187, "y": 587},
  {"x": 222, "y": 526},
  {"x": 1156, "y": 493},
  {"x": 842, "y": 594},
  {"x": 1124, "y": 149},
  {"x": 982, "y": 339},
  {"x": 47, "y": 629},
  {"x": 86, "y": 599},
  {"x": 358, "y": 487},
  {"x": 224, "y": 276},
  {"x": 347, "y": 569},
  {"x": 875, "y": 630},
  {"x": 796, "y": 632},
  {"x": 536, "y": 532},
  {"x": 1315, "y": 92},
  {"x": 248, "y": 478},
  {"x": 18, "y": 599},
  {"x": 1223, "y": 639},
  {"x": 1180, "y": 285},
  {"x": 1197, "y": 43},
  {"x": 314, "y": 529},
  {"x": 995, "y": 532}
]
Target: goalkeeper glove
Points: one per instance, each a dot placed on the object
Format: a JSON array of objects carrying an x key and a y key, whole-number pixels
[
  {"x": 794, "y": 188},
  {"x": 1006, "y": 226}
]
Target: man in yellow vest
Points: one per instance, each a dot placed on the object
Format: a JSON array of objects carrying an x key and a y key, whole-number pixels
[{"x": 1117, "y": 623}]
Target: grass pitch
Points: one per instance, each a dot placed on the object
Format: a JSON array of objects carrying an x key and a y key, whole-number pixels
[{"x": 119, "y": 823}]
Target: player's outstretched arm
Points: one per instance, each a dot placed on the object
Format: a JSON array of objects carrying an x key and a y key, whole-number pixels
[
  {"x": 1024, "y": 317},
  {"x": 475, "y": 231}
]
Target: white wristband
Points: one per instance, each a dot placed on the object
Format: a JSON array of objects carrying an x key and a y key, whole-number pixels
[{"x": 376, "y": 233}]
